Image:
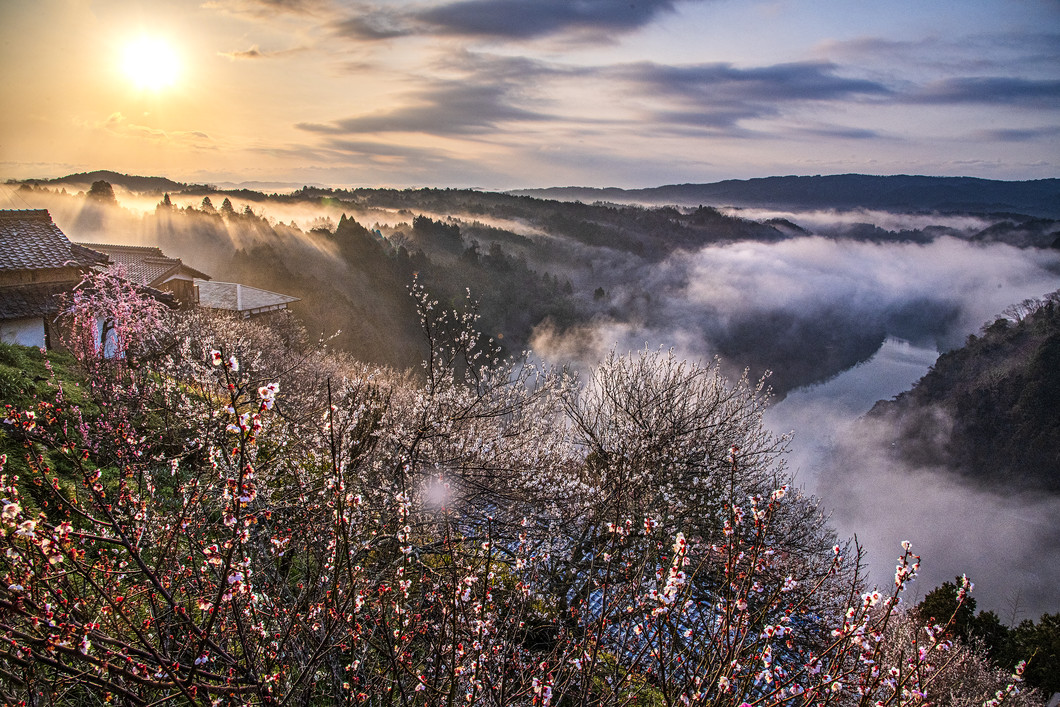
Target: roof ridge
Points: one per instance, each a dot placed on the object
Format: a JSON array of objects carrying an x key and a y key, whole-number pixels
[
  {"x": 243, "y": 284},
  {"x": 123, "y": 246},
  {"x": 24, "y": 214}
]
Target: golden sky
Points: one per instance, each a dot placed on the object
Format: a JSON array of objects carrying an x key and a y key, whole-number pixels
[{"x": 519, "y": 93}]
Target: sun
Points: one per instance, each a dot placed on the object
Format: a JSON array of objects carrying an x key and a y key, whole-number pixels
[{"x": 151, "y": 63}]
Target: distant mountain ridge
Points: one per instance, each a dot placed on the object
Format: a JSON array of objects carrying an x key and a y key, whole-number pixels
[
  {"x": 908, "y": 193},
  {"x": 115, "y": 179},
  {"x": 1039, "y": 197}
]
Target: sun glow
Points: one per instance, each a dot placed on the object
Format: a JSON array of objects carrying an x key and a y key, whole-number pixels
[{"x": 151, "y": 63}]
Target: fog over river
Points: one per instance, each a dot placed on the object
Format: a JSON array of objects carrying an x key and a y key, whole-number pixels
[{"x": 1007, "y": 543}]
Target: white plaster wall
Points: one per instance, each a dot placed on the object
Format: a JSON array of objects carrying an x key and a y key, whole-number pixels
[{"x": 27, "y": 332}]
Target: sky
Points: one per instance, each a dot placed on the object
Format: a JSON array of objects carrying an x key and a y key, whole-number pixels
[{"x": 501, "y": 94}]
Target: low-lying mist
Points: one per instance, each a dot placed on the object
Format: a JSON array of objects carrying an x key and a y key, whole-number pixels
[
  {"x": 828, "y": 220},
  {"x": 805, "y": 308},
  {"x": 1007, "y": 541}
]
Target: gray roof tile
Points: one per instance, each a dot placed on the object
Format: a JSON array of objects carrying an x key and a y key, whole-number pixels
[
  {"x": 239, "y": 298},
  {"x": 145, "y": 265},
  {"x": 30, "y": 240},
  {"x": 31, "y": 300}
]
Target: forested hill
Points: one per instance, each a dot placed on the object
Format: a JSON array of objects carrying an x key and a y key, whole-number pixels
[
  {"x": 1040, "y": 197},
  {"x": 131, "y": 182},
  {"x": 989, "y": 410}
]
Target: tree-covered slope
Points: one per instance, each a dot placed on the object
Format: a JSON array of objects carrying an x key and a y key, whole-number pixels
[
  {"x": 126, "y": 181},
  {"x": 989, "y": 409}
]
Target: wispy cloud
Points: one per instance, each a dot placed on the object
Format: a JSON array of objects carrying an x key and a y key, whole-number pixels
[
  {"x": 385, "y": 151},
  {"x": 1001, "y": 53},
  {"x": 525, "y": 19},
  {"x": 1018, "y": 134},
  {"x": 1000, "y": 90},
  {"x": 446, "y": 108},
  {"x": 481, "y": 94},
  {"x": 267, "y": 8},
  {"x": 117, "y": 124},
  {"x": 720, "y": 96},
  {"x": 349, "y": 160},
  {"x": 493, "y": 92},
  {"x": 372, "y": 24},
  {"x": 838, "y": 131},
  {"x": 255, "y": 52},
  {"x": 591, "y": 20},
  {"x": 252, "y": 53},
  {"x": 719, "y": 82}
]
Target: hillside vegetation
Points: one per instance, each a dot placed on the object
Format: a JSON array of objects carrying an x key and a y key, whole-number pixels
[{"x": 988, "y": 411}]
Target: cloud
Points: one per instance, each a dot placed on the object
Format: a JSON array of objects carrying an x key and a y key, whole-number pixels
[
  {"x": 388, "y": 152},
  {"x": 117, "y": 124},
  {"x": 590, "y": 20},
  {"x": 800, "y": 81},
  {"x": 266, "y": 8},
  {"x": 254, "y": 52},
  {"x": 450, "y": 108},
  {"x": 711, "y": 118},
  {"x": 839, "y": 131},
  {"x": 720, "y": 95},
  {"x": 995, "y": 69},
  {"x": 997, "y": 53},
  {"x": 1018, "y": 134},
  {"x": 999, "y": 90},
  {"x": 527, "y": 19},
  {"x": 484, "y": 99},
  {"x": 754, "y": 116},
  {"x": 340, "y": 160},
  {"x": 372, "y": 25}
]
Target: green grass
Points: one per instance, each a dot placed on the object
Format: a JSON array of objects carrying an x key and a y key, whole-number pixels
[
  {"x": 25, "y": 382},
  {"x": 25, "y": 379}
]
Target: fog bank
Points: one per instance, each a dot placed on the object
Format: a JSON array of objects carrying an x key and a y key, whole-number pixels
[
  {"x": 1007, "y": 543},
  {"x": 805, "y": 308}
]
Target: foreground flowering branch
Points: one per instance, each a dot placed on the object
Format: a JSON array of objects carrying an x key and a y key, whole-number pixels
[{"x": 225, "y": 526}]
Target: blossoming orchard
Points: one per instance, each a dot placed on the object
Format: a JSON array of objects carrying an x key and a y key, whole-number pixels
[{"x": 200, "y": 511}]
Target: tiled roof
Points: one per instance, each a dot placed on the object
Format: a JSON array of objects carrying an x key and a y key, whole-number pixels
[
  {"x": 30, "y": 240},
  {"x": 239, "y": 298},
  {"x": 31, "y": 300},
  {"x": 18, "y": 301},
  {"x": 146, "y": 265}
]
